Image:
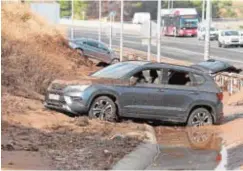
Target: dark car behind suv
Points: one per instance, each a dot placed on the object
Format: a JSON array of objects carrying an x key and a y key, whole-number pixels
[
  {"x": 94, "y": 49},
  {"x": 140, "y": 89}
]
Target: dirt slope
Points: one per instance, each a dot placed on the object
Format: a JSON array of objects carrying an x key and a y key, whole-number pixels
[{"x": 33, "y": 52}]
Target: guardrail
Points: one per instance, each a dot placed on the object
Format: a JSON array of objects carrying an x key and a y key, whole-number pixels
[
  {"x": 232, "y": 83},
  {"x": 226, "y": 19}
]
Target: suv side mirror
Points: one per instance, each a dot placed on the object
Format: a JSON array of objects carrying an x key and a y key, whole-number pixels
[{"x": 132, "y": 81}]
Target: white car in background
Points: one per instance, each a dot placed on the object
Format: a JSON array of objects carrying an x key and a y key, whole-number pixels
[
  {"x": 201, "y": 32},
  {"x": 229, "y": 38},
  {"x": 141, "y": 17},
  {"x": 241, "y": 38}
]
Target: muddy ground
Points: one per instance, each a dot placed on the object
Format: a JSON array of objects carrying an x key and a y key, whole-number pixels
[
  {"x": 202, "y": 148},
  {"x": 37, "y": 138}
]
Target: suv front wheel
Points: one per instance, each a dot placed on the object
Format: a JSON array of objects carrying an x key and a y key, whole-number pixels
[
  {"x": 200, "y": 117},
  {"x": 103, "y": 108}
]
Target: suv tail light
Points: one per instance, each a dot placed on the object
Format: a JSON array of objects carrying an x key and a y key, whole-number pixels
[{"x": 220, "y": 96}]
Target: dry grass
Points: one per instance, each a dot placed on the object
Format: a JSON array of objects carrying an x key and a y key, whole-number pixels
[{"x": 33, "y": 52}]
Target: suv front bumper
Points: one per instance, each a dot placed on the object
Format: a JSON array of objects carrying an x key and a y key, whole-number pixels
[{"x": 74, "y": 106}]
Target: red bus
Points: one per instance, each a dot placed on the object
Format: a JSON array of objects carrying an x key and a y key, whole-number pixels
[{"x": 180, "y": 22}]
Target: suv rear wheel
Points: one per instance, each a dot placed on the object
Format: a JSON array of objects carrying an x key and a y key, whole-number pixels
[
  {"x": 200, "y": 117},
  {"x": 103, "y": 108}
]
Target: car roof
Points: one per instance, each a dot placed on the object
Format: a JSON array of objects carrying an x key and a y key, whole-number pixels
[
  {"x": 164, "y": 65},
  {"x": 83, "y": 39}
]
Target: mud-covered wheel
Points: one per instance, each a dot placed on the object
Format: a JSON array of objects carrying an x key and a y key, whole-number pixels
[
  {"x": 200, "y": 117},
  {"x": 114, "y": 61},
  {"x": 80, "y": 51},
  {"x": 103, "y": 108}
]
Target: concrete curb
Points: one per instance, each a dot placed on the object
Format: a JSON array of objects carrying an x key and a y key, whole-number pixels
[{"x": 142, "y": 156}]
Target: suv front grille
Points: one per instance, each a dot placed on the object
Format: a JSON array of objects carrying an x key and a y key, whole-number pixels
[{"x": 55, "y": 103}]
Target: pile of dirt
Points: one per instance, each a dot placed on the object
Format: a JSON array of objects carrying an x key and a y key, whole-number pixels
[{"x": 34, "y": 53}]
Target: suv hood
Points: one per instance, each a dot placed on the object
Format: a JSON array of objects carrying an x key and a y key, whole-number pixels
[{"x": 214, "y": 66}]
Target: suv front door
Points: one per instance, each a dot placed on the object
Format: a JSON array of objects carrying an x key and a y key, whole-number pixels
[{"x": 143, "y": 100}]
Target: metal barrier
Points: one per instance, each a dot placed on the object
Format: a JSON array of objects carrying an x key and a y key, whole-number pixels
[{"x": 232, "y": 83}]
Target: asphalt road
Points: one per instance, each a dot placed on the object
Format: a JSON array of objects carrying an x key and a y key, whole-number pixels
[{"x": 187, "y": 48}]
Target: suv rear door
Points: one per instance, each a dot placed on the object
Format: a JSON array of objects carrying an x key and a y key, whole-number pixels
[{"x": 178, "y": 94}]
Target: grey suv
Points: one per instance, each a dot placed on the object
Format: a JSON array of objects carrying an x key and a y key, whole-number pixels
[
  {"x": 94, "y": 49},
  {"x": 140, "y": 89}
]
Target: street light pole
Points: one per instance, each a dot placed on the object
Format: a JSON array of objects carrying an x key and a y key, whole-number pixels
[
  {"x": 99, "y": 20},
  {"x": 110, "y": 39},
  {"x": 158, "y": 30},
  {"x": 72, "y": 20},
  {"x": 207, "y": 33},
  {"x": 168, "y": 4},
  {"x": 121, "y": 31},
  {"x": 203, "y": 10},
  {"x": 149, "y": 41}
]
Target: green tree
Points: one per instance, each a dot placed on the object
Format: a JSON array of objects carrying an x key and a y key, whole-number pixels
[
  {"x": 79, "y": 8},
  {"x": 65, "y": 8}
]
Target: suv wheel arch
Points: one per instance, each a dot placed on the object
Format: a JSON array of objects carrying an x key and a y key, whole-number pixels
[
  {"x": 205, "y": 106},
  {"x": 110, "y": 95}
]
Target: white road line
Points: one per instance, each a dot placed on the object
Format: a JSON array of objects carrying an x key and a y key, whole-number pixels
[{"x": 198, "y": 53}]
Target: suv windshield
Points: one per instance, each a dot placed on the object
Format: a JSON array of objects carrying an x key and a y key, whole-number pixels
[
  {"x": 116, "y": 71},
  {"x": 231, "y": 33}
]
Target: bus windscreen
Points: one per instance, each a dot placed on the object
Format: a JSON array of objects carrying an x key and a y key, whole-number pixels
[{"x": 188, "y": 22}]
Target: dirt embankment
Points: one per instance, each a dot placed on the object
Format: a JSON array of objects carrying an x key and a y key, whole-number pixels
[{"x": 33, "y": 54}]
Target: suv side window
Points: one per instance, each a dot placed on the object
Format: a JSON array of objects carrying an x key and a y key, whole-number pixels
[
  {"x": 174, "y": 77},
  {"x": 148, "y": 77},
  {"x": 92, "y": 43}
]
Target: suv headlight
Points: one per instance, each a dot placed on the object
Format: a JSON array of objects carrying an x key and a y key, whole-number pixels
[{"x": 79, "y": 87}]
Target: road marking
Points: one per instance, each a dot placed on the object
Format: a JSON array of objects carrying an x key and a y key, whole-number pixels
[
  {"x": 198, "y": 53},
  {"x": 201, "y": 44}
]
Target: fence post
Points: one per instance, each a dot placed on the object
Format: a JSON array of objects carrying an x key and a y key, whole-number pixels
[{"x": 231, "y": 84}]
